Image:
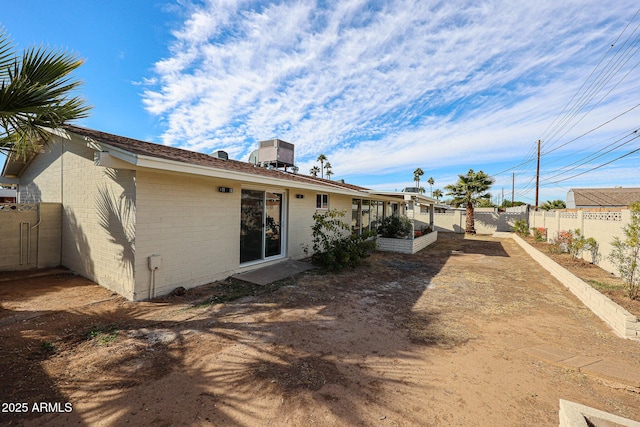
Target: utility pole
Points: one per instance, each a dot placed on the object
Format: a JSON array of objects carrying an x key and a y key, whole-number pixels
[
  {"x": 513, "y": 187},
  {"x": 538, "y": 176}
]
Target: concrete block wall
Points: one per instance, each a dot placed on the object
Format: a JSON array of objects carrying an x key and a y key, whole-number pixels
[
  {"x": 406, "y": 246},
  {"x": 49, "y": 235},
  {"x": 191, "y": 225},
  {"x": 602, "y": 226},
  {"x": 449, "y": 221},
  {"x": 485, "y": 222},
  {"x": 575, "y": 415},
  {"x": 41, "y": 234},
  {"x": 620, "y": 320},
  {"x": 98, "y": 234},
  {"x": 42, "y": 180},
  {"x": 301, "y": 221},
  {"x": 17, "y": 251}
]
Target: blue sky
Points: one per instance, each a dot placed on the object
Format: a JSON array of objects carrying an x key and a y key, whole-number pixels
[{"x": 379, "y": 87}]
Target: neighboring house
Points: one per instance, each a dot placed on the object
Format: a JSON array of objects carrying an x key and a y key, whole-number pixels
[
  {"x": 142, "y": 219},
  {"x": 8, "y": 195},
  {"x": 609, "y": 198}
]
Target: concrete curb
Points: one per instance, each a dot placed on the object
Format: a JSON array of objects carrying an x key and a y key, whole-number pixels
[
  {"x": 623, "y": 323},
  {"x": 575, "y": 415}
]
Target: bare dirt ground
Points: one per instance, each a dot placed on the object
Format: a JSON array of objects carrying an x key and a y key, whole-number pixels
[
  {"x": 440, "y": 338},
  {"x": 608, "y": 284}
]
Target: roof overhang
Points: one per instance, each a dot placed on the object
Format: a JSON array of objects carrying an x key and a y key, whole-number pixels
[
  {"x": 114, "y": 157},
  {"x": 406, "y": 196}
]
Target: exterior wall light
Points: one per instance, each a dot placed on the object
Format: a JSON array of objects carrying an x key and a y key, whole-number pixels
[{"x": 225, "y": 190}]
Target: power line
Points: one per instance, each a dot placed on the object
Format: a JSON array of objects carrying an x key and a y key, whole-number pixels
[
  {"x": 589, "y": 158},
  {"x": 599, "y": 166}
]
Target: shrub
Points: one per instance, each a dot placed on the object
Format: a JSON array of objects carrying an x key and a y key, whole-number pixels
[
  {"x": 521, "y": 227},
  {"x": 539, "y": 234},
  {"x": 626, "y": 253},
  {"x": 334, "y": 248},
  {"x": 579, "y": 244},
  {"x": 395, "y": 227}
]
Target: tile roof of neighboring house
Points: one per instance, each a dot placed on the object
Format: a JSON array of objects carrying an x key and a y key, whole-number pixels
[
  {"x": 606, "y": 197},
  {"x": 138, "y": 147}
]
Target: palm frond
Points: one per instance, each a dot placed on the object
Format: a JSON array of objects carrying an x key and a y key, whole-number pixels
[
  {"x": 34, "y": 95},
  {"x": 6, "y": 54}
]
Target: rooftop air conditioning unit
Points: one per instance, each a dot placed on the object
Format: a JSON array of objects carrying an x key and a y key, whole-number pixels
[
  {"x": 220, "y": 155},
  {"x": 275, "y": 152}
]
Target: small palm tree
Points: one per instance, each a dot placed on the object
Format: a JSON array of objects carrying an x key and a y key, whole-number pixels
[
  {"x": 35, "y": 95},
  {"x": 416, "y": 176},
  {"x": 468, "y": 191},
  {"x": 314, "y": 171},
  {"x": 553, "y": 204},
  {"x": 329, "y": 173},
  {"x": 321, "y": 158},
  {"x": 421, "y": 190},
  {"x": 431, "y": 182},
  {"x": 437, "y": 193}
]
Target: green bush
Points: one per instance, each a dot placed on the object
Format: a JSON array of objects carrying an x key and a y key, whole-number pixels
[
  {"x": 334, "y": 248},
  {"x": 579, "y": 244},
  {"x": 395, "y": 227},
  {"x": 521, "y": 227},
  {"x": 539, "y": 234},
  {"x": 626, "y": 253}
]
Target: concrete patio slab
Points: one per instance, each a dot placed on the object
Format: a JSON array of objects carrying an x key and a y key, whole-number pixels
[
  {"x": 273, "y": 273},
  {"x": 614, "y": 371},
  {"x": 606, "y": 369},
  {"x": 549, "y": 354},
  {"x": 581, "y": 361}
]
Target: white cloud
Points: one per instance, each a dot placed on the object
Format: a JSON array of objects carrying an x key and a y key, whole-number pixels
[{"x": 382, "y": 86}]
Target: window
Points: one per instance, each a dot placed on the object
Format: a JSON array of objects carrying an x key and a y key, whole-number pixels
[{"x": 322, "y": 201}]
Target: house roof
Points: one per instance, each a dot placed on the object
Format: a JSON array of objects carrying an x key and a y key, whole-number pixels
[
  {"x": 606, "y": 197},
  {"x": 165, "y": 152}
]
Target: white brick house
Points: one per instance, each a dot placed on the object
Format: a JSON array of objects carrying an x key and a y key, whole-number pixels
[{"x": 142, "y": 219}]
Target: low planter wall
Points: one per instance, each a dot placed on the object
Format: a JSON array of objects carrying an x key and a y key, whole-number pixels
[
  {"x": 620, "y": 320},
  {"x": 406, "y": 246}
]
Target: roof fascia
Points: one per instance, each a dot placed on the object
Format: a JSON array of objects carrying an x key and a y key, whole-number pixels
[{"x": 149, "y": 162}]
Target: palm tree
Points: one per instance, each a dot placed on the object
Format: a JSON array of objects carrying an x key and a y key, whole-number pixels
[
  {"x": 437, "y": 193},
  {"x": 469, "y": 190},
  {"x": 416, "y": 176},
  {"x": 321, "y": 158},
  {"x": 431, "y": 182},
  {"x": 553, "y": 204},
  {"x": 421, "y": 190},
  {"x": 35, "y": 96},
  {"x": 329, "y": 173},
  {"x": 314, "y": 171}
]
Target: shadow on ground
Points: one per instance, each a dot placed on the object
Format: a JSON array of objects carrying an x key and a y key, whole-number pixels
[{"x": 198, "y": 357}]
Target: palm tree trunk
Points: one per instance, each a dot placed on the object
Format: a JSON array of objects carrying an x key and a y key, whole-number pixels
[{"x": 469, "y": 226}]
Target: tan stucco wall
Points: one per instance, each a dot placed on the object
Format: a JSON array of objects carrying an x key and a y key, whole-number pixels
[{"x": 98, "y": 211}]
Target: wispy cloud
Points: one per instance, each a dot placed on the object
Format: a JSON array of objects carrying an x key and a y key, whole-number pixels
[{"x": 388, "y": 85}]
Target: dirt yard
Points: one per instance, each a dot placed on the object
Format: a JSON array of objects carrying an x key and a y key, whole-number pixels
[{"x": 446, "y": 337}]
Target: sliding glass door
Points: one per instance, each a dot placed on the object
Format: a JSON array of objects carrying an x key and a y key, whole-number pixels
[{"x": 261, "y": 225}]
